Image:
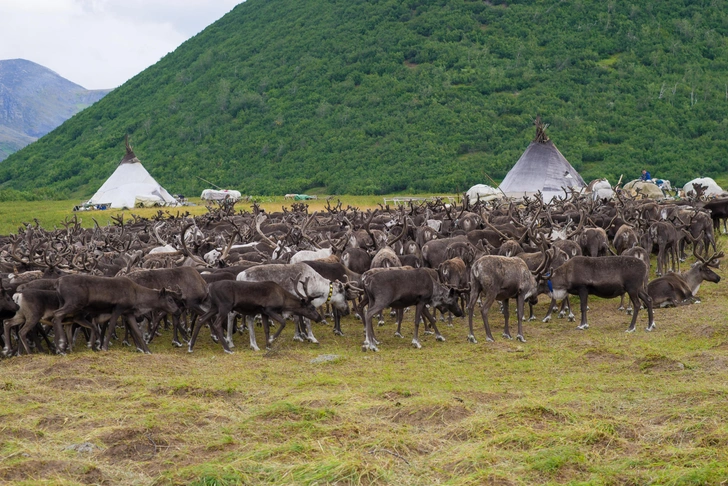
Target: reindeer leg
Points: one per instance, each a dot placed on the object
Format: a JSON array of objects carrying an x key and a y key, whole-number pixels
[
  {"x": 298, "y": 334},
  {"x": 506, "y": 316},
  {"x": 418, "y": 316},
  {"x": 552, "y": 307},
  {"x": 337, "y": 322},
  {"x": 583, "y": 296},
  {"x": 519, "y": 314},
  {"x": 22, "y": 336},
  {"x": 17, "y": 320},
  {"x": 400, "y": 318},
  {"x": 280, "y": 320},
  {"x": 231, "y": 328},
  {"x": 645, "y": 297},
  {"x": 217, "y": 330},
  {"x": 250, "y": 323},
  {"x": 369, "y": 341},
  {"x": 487, "y": 303},
  {"x": 131, "y": 323},
  {"x": 474, "y": 295},
  {"x": 426, "y": 314},
  {"x": 197, "y": 326},
  {"x": 309, "y": 331}
]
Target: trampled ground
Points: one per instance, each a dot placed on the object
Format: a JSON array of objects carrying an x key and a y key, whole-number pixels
[{"x": 580, "y": 407}]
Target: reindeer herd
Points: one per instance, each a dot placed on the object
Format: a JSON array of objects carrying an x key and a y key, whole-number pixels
[{"x": 225, "y": 270}]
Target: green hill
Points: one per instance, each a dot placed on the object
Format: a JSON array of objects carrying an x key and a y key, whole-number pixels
[{"x": 383, "y": 96}]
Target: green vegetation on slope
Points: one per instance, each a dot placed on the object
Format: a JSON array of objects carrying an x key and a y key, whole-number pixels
[{"x": 390, "y": 95}]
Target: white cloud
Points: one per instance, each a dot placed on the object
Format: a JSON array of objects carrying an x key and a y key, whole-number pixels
[{"x": 101, "y": 43}]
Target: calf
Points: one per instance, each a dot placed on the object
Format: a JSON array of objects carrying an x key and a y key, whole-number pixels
[
  {"x": 605, "y": 277},
  {"x": 250, "y": 298}
]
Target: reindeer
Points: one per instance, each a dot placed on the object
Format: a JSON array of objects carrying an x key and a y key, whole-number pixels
[
  {"x": 403, "y": 287},
  {"x": 606, "y": 277},
  {"x": 117, "y": 296},
  {"x": 250, "y": 298},
  {"x": 679, "y": 288},
  {"x": 501, "y": 278}
]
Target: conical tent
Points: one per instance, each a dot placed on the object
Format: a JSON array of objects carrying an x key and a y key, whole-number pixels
[
  {"x": 131, "y": 182},
  {"x": 541, "y": 168}
]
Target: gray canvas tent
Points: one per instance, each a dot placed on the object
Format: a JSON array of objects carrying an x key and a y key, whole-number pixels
[{"x": 541, "y": 168}]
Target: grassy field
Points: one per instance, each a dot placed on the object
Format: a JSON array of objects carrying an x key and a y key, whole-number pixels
[
  {"x": 577, "y": 407},
  {"x": 595, "y": 407}
]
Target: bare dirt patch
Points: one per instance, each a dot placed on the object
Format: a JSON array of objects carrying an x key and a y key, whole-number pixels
[
  {"x": 426, "y": 416},
  {"x": 133, "y": 445},
  {"x": 598, "y": 355},
  {"x": 658, "y": 363},
  {"x": 188, "y": 391},
  {"x": 34, "y": 470}
]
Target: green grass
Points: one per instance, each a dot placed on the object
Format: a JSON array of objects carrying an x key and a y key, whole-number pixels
[{"x": 593, "y": 407}]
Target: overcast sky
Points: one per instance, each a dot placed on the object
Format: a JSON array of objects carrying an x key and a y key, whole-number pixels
[{"x": 101, "y": 43}]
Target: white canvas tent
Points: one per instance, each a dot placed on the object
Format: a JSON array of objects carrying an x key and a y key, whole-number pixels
[
  {"x": 713, "y": 188},
  {"x": 541, "y": 168},
  {"x": 130, "y": 183}
]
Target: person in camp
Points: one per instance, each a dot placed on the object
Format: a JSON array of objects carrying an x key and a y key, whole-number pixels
[{"x": 645, "y": 176}]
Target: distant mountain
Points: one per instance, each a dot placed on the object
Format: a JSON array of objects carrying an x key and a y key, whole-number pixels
[{"x": 34, "y": 100}]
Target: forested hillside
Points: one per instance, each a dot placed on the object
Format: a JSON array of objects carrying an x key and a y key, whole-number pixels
[{"x": 355, "y": 96}]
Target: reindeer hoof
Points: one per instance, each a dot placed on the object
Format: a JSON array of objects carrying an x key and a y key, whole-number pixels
[
  {"x": 651, "y": 327},
  {"x": 312, "y": 340},
  {"x": 546, "y": 319},
  {"x": 428, "y": 332},
  {"x": 472, "y": 339},
  {"x": 629, "y": 312},
  {"x": 255, "y": 348},
  {"x": 357, "y": 316},
  {"x": 631, "y": 329},
  {"x": 489, "y": 340},
  {"x": 507, "y": 336},
  {"x": 521, "y": 338},
  {"x": 571, "y": 318},
  {"x": 561, "y": 315},
  {"x": 697, "y": 301},
  {"x": 620, "y": 308},
  {"x": 380, "y": 323},
  {"x": 532, "y": 318},
  {"x": 298, "y": 338},
  {"x": 126, "y": 343},
  {"x": 228, "y": 351},
  {"x": 189, "y": 350},
  {"x": 440, "y": 337},
  {"x": 325, "y": 322},
  {"x": 397, "y": 334},
  {"x": 338, "y": 333},
  {"x": 583, "y": 327},
  {"x": 416, "y": 344}
]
